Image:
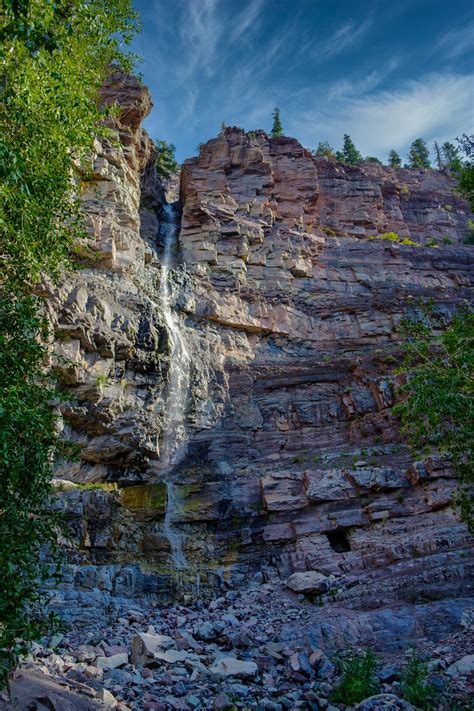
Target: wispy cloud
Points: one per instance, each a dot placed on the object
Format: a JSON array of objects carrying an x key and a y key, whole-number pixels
[
  {"x": 246, "y": 20},
  {"x": 345, "y": 36},
  {"x": 436, "y": 106},
  {"x": 457, "y": 42},
  {"x": 209, "y": 61},
  {"x": 200, "y": 32}
]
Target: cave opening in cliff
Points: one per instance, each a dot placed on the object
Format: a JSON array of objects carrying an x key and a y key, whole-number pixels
[{"x": 339, "y": 540}]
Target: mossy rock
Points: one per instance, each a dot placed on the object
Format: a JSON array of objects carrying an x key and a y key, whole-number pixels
[{"x": 145, "y": 497}]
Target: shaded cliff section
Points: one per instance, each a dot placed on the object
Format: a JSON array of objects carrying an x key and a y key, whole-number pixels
[{"x": 291, "y": 311}]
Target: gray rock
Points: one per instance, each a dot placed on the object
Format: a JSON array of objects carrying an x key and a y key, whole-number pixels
[
  {"x": 112, "y": 662},
  {"x": 231, "y": 666},
  {"x": 145, "y": 645},
  {"x": 463, "y": 667},
  {"x": 308, "y": 582},
  {"x": 384, "y": 702}
]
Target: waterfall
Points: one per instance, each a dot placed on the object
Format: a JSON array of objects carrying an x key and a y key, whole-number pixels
[
  {"x": 180, "y": 360},
  {"x": 173, "y": 443},
  {"x": 174, "y": 537}
]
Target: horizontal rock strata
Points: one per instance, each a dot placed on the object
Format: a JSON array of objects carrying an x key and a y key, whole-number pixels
[{"x": 289, "y": 294}]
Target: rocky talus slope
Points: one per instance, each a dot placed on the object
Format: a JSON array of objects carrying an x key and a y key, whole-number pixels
[{"x": 285, "y": 458}]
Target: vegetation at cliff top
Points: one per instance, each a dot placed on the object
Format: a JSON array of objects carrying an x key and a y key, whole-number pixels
[
  {"x": 277, "y": 128},
  {"x": 437, "y": 397},
  {"x": 165, "y": 161},
  {"x": 54, "y": 57},
  {"x": 465, "y": 172},
  {"x": 449, "y": 158}
]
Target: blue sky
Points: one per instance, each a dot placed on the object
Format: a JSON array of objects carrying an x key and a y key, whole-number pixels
[{"x": 384, "y": 71}]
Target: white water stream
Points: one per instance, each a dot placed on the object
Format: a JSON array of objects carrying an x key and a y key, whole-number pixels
[{"x": 173, "y": 443}]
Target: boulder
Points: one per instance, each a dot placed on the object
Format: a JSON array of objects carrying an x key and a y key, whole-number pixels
[
  {"x": 144, "y": 647},
  {"x": 384, "y": 702},
  {"x": 463, "y": 667},
  {"x": 308, "y": 582},
  {"x": 112, "y": 662},
  {"x": 230, "y": 666}
]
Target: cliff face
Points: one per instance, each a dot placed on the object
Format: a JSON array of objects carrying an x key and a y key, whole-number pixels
[{"x": 287, "y": 457}]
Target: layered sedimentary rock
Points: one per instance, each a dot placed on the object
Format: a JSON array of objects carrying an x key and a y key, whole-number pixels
[{"x": 289, "y": 296}]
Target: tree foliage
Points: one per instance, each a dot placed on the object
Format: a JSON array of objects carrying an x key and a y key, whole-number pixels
[
  {"x": 165, "y": 159},
  {"x": 349, "y": 153},
  {"x": 394, "y": 159},
  {"x": 277, "y": 128},
  {"x": 324, "y": 149},
  {"x": 372, "y": 159},
  {"x": 465, "y": 172},
  {"x": 419, "y": 155},
  {"x": 437, "y": 399},
  {"x": 54, "y": 57}
]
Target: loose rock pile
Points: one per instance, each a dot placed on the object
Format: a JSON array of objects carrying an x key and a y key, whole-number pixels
[{"x": 251, "y": 649}]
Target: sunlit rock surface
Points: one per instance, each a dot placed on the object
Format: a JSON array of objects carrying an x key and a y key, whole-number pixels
[{"x": 293, "y": 461}]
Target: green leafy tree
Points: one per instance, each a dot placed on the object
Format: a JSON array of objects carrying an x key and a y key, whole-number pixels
[
  {"x": 349, "y": 152},
  {"x": 465, "y": 172},
  {"x": 324, "y": 149},
  {"x": 277, "y": 128},
  {"x": 55, "y": 57},
  {"x": 419, "y": 155},
  {"x": 165, "y": 159},
  {"x": 394, "y": 159},
  {"x": 437, "y": 399}
]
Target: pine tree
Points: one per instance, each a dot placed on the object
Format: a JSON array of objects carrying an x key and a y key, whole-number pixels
[
  {"x": 419, "y": 155},
  {"x": 451, "y": 158},
  {"x": 277, "y": 128},
  {"x": 351, "y": 155},
  {"x": 394, "y": 159}
]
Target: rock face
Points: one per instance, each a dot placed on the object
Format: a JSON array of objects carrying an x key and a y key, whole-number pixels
[{"x": 289, "y": 297}]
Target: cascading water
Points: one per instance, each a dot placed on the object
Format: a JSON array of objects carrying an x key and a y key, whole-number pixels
[{"x": 173, "y": 443}]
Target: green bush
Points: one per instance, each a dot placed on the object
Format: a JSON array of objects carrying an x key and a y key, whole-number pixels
[
  {"x": 358, "y": 676},
  {"x": 414, "y": 682}
]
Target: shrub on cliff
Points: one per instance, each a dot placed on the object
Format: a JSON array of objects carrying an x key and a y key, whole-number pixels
[
  {"x": 394, "y": 159},
  {"x": 277, "y": 128},
  {"x": 324, "y": 149},
  {"x": 165, "y": 161},
  {"x": 55, "y": 57},
  {"x": 349, "y": 153},
  {"x": 437, "y": 405},
  {"x": 419, "y": 155}
]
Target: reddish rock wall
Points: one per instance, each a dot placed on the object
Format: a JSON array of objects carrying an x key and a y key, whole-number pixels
[{"x": 294, "y": 460}]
